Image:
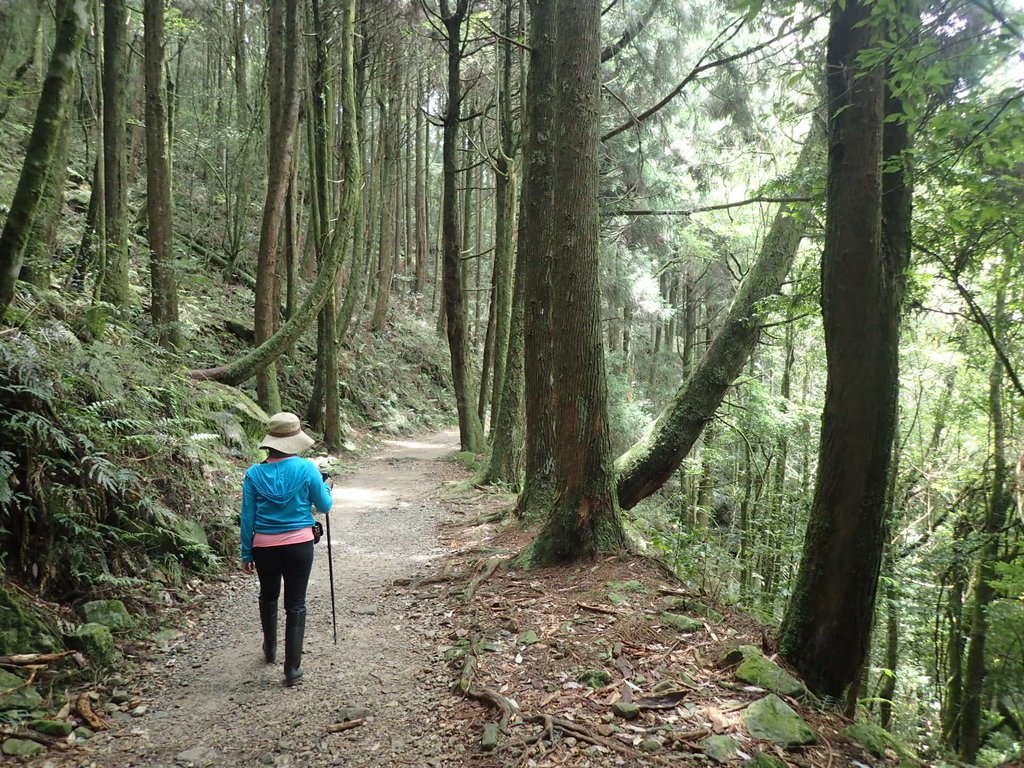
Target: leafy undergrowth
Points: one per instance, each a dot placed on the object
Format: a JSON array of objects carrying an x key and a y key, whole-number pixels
[{"x": 614, "y": 663}]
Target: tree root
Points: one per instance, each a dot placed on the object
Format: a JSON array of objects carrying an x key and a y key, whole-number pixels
[{"x": 489, "y": 569}]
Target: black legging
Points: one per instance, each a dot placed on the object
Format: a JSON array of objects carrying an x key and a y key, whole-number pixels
[{"x": 291, "y": 562}]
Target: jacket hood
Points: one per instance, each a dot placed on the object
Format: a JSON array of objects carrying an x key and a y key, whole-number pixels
[{"x": 278, "y": 481}]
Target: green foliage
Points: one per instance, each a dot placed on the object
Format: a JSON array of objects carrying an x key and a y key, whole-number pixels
[{"x": 104, "y": 463}]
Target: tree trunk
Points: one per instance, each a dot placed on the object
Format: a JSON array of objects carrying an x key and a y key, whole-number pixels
[
  {"x": 504, "y": 220},
  {"x": 164, "y": 283},
  {"x": 42, "y": 244},
  {"x": 584, "y": 518},
  {"x": 115, "y": 287},
  {"x": 283, "y": 51},
  {"x": 827, "y": 627},
  {"x": 470, "y": 429},
  {"x": 646, "y": 466},
  {"x": 246, "y": 367},
  {"x": 389, "y": 187},
  {"x": 422, "y": 245},
  {"x": 534, "y": 250},
  {"x": 999, "y": 505},
  {"x": 72, "y": 17}
]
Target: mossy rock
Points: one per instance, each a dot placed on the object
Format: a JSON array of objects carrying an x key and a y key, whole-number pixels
[
  {"x": 529, "y": 638},
  {"x": 626, "y": 710},
  {"x": 22, "y": 748},
  {"x": 15, "y": 694},
  {"x": 696, "y": 606},
  {"x": 682, "y": 623},
  {"x": 56, "y": 728},
  {"x": 594, "y": 678},
  {"x": 737, "y": 655},
  {"x": 721, "y": 749},
  {"x": 96, "y": 642},
  {"x": 23, "y": 631},
  {"x": 764, "y": 673},
  {"x": 110, "y": 613},
  {"x": 876, "y": 740},
  {"x": 617, "y": 598},
  {"x": 764, "y": 760},
  {"x": 772, "y": 719}
]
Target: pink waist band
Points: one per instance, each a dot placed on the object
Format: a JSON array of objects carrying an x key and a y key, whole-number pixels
[{"x": 280, "y": 539}]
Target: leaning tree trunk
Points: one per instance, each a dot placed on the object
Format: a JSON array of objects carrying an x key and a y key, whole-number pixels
[
  {"x": 584, "y": 518},
  {"x": 247, "y": 366},
  {"x": 72, "y": 17},
  {"x": 470, "y": 430},
  {"x": 164, "y": 284},
  {"x": 646, "y": 466},
  {"x": 827, "y": 627},
  {"x": 283, "y": 49}
]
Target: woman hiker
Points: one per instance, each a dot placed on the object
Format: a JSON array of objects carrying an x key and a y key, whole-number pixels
[{"x": 277, "y": 533}]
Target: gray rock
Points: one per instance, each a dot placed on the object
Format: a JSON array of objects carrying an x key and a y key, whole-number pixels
[
  {"x": 772, "y": 719},
  {"x": 198, "y": 757},
  {"x": 17, "y": 695},
  {"x": 109, "y": 613},
  {"x": 721, "y": 749},
  {"x": 82, "y": 733},
  {"x": 651, "y": 745},
  {"x": 764, "y": 673},
  {"x": 353, "y": 713},
  {"x": 22, "y": 748}
]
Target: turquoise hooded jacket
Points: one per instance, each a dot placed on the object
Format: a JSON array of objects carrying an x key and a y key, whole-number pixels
[{"x": 277, "y": 496}]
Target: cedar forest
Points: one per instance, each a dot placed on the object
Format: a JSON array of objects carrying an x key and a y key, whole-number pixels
[{"x": 737, "y": 283}]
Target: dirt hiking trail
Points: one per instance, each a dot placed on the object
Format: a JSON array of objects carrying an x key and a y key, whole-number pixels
[{"x": 209, "y": 700}]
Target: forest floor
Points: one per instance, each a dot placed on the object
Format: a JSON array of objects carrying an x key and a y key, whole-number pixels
[{"x": 439, "y": 640}]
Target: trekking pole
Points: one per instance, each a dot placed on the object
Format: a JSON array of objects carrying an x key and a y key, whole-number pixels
[{"x": 330, "y": 568}]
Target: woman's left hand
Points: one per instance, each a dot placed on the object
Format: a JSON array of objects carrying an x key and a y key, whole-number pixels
[{"x": 248, "y": 567}]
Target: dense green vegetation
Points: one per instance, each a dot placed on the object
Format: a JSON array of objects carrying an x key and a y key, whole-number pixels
[{"x": 622, "y": 280}]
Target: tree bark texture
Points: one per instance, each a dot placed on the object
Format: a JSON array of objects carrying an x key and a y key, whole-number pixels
[
  {"x": 72, "y": 20},
  {"x": 283, "y": 51},
  {"x": 646, "y": 466},
  {"x": 115, "y": 286},
  {"x": 534, "y": 251},
  {"x": 826, "y": 631},
  {"x": 163, "y": 281},
  {"x": 470, "y": 429},
  {"x": 585, "y": 517}
]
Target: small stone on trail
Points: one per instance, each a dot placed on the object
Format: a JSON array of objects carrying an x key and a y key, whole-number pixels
[
  {"x": 22, "y": 748},
  {"x": 364, "y": 610},
  {"x": 490, "y": 737},
  {"x": 197, "y": 757},
  {"x": 353, "y": 713},
  {"x": 626, "y": 710}
]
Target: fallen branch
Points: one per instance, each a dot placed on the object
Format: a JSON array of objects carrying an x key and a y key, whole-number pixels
[
  {"x": 25, "y": 659},
  {"x": 84, "y": 708},
  {"x": 598, "y": 609},
  {"x": 348, "y": 725}
]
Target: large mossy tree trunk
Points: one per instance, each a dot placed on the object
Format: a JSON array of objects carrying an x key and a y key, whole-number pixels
[
  {"x": 470, "y": 430},
  {"x": 114, "y": 286},
  {"x": 584, "y": 518},
  {"x": 534, "y": 253},
  {"x": 72, "y": 19},
  {"x": 163, "y": 280},
  {"x": 826, "y": 631},
  {"x": 646, "y": 466}
]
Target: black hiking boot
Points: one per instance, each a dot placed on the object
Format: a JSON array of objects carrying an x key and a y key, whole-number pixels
[
  {"x": 268, "y": 618},
  {"x": 294, "y": 632}
]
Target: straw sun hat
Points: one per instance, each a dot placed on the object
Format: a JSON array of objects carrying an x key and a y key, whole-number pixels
[{"x": 284, "y": 434}]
